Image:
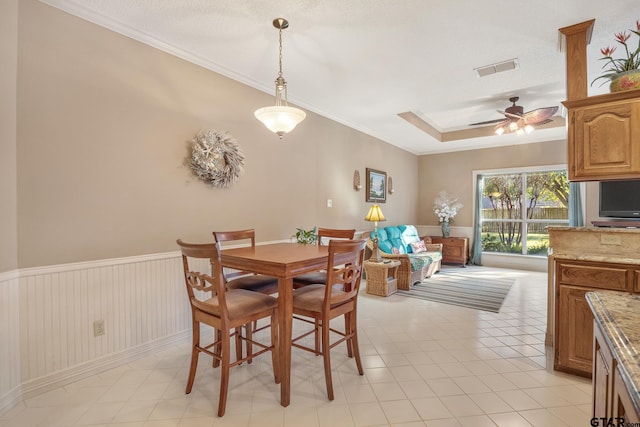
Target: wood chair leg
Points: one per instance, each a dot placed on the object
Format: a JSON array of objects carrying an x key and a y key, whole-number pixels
[
  {"x": 316, "y": 334},
  {"x": 249, "y": 328},
  {"x": 224, "y": 372},
  {"x": 326, "y": 353},
  {"x": 353, "y": 330},
  {"x": 194, "y": 355},
  {"x": 347, "y": 328},
  {"x": 238, "y": 343},
  {"x": 217, "y": 349},
  {"x": 275, "y": 352}
]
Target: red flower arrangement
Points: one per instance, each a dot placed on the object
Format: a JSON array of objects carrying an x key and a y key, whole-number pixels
[{"x": 620, "y": 65}]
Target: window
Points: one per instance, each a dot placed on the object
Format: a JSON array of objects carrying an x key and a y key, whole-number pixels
[{"x": 517, "y": 207}]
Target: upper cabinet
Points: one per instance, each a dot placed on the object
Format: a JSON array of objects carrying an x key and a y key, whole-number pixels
[
  {"x": 604, "y": 137},
  {"x": 603, "y": 131}
]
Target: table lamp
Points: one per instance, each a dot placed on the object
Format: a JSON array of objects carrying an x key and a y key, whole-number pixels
[{"x": 375, "y": 215}]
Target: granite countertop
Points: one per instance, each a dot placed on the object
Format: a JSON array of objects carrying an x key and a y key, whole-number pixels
[{"x": 618, "y": 314}]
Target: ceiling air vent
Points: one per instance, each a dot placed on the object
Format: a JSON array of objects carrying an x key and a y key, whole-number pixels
[{"x": 498, "y": 67}]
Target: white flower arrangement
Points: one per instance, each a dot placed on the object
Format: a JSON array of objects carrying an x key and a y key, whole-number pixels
[
  {"x": 216, "y": 158},
  {"x": 446, "y": 207}
]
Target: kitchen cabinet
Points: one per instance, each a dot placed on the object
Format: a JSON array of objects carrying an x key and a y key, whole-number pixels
[
  {"x": 604, "y": 137},
  {"x": 615, "y": 366},
  {"x": 573, "y": 317}
]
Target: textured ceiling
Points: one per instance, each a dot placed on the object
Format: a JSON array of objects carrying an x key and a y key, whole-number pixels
[{"x": 364, "y": 62}]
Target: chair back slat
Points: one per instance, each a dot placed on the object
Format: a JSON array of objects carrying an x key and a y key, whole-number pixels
[
  {"x": 333, "y": 233},
  {"x": 231, "y": 236},
  {"x": 345, "y": 274},
  {"x": 212, "y": 284}
]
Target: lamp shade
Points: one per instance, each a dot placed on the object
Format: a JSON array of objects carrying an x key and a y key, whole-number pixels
[
  {"x": 375, "y": 214},
  {"x": 280, "y": 119}
]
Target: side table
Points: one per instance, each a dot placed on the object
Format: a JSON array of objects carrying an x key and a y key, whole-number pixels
[
  {"x": 382, "y": 277},
  {"x": 455, "y": 250}
]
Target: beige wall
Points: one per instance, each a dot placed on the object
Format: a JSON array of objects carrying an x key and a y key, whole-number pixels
[
  {"x": 103, "y": 125},
  {"x": 454, "y": 172},
  {"x": 8, "y": 185}
]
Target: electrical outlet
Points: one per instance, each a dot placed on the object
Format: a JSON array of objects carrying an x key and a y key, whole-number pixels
[
  {"x": 98, "y": 328},
  {"x": 329, "y": 203}
]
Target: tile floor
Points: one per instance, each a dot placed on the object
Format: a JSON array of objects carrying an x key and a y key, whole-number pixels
[{"x": 426, "y": 364}]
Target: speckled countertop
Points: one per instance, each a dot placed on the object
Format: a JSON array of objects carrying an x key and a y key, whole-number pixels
[{"x": 618, "y": 314}]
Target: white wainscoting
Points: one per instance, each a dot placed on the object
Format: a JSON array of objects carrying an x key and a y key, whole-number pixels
[
  {"x": 9, "y": 340},
  {"x": 47, "y": 329}
]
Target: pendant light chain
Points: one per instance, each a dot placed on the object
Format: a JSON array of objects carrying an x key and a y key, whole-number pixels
[
  {"x": 280, "y": 57},
  {"x": 281, "y": 83}
]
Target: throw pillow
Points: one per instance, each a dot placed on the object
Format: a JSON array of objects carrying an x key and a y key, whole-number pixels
[{"x": 418, "y": 247}]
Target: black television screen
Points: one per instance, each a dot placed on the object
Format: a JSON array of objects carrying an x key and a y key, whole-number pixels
[{"x": 620, "y": 199}]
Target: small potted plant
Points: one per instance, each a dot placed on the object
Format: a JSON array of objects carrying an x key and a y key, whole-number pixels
[
  {"x": 306, "y": 237},
  {"x": 624, "y": 72}
]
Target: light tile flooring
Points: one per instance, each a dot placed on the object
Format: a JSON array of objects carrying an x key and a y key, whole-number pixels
[{"x": 426, "y": 364}]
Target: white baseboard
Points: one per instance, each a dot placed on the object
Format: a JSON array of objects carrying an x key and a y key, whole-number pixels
[
  {"x": 85, "y": 370},
  {"x": 519, "y": 262},
  {"x": 10, "y": 399}
]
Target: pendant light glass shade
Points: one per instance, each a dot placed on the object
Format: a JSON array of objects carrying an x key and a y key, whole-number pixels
[{"x": 280, "y": 118}]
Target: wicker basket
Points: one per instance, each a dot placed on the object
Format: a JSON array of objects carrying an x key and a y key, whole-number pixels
[{"x": 381, "y": 277}]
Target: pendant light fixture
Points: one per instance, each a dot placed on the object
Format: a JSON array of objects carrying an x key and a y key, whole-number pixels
[{"x": 280, "y": 118}]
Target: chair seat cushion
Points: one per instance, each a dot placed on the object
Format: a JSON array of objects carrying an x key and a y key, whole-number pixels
[
  {"x": 256, "y": 283},
  {"x": 240, "y": 303},
  {"x": 310, "y": 278},
  {"x": 310, "y": 297},
  {"x": 421, "y": 259}
]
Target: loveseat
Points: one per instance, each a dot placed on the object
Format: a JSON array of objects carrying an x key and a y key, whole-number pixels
[{"x": 400, "y": 242}]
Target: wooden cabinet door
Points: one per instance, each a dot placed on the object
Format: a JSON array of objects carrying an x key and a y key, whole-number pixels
[
  {"x": 622, "y": 403},
  {"x": 574, "y": 331},
  {"x": 603, "y": 366},
  {"x": 601, "y": 141}
]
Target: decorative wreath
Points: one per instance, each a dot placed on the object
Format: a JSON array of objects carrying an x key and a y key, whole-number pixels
[{"x": 216, "y": 158}]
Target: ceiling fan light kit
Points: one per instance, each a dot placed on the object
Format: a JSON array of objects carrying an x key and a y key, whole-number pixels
[
  {"x": 516, "y": 120},
  {"x": 280, "y": 118}
]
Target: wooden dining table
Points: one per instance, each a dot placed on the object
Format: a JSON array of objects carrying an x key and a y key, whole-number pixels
[{"x": 284, "y": 261}]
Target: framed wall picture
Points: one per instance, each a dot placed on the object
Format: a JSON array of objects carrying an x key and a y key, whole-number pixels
[{"x": 376, "y": 186}]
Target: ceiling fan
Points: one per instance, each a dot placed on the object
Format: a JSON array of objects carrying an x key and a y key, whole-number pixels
[{"x": 516, "y": 120}]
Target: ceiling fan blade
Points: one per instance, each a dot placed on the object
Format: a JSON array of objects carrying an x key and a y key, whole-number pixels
[
  {"x": 488, "y": 122},
  {"x": 510, "y": 115},
  {"x": 544, "y": 122},
  {"x": 536, "y": 117}
]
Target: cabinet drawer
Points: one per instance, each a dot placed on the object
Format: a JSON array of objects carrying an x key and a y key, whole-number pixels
[{"x": 602, "y": 277}]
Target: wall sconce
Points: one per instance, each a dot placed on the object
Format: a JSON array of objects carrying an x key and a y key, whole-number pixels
[
  {"x": 390, "y": 185},
  {"x": 356, "y": 181}
]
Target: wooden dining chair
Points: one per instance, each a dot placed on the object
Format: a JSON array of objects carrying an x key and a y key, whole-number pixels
[
  {"x": 244, "y": 279},
  {"x": 321, "y": 276},
  {"x": 227, "y": 311},
  {"x": 317, "y": 304}
]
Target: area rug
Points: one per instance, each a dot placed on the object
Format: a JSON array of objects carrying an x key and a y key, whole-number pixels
[{"x": 473, "y": 287}]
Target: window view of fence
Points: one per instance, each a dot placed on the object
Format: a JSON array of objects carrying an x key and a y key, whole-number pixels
[{"x": 517, "y": 208}]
